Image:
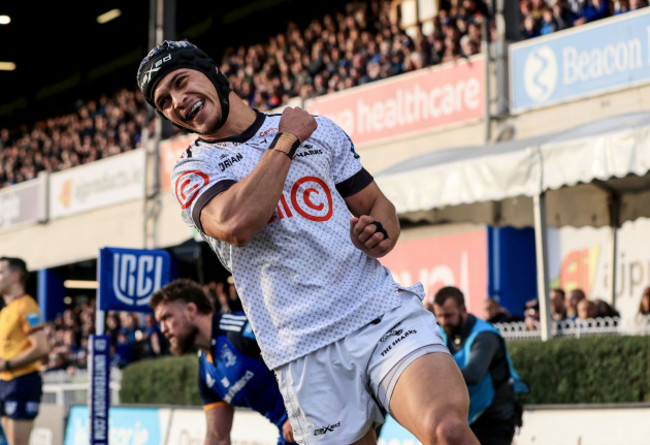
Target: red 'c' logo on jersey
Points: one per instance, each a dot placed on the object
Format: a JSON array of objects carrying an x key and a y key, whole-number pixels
[
  {"x": 188, "y": 185},
  {"x": 312, "y": 199}
]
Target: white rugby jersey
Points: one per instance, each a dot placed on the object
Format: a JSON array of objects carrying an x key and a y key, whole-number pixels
[{"x": 301, "y": 281}]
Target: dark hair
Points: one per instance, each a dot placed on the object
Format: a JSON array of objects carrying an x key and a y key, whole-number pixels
[
  {"x": 185, "y": 290},
  {"x": 449, "y": 292},
  {"x": 579, "y": 293},
  {"x": 172, "y": 55},
  {"x": 641, "y": 308},
  {"x": 17, "y": 265},
  {"x": 559, "y": 290}
]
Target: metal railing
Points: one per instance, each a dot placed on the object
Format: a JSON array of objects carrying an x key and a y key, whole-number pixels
[
  {"x": 576, "y": 328},
  {"x": 59, "y": 388}
]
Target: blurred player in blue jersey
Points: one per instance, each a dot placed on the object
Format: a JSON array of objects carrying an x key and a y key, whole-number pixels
[{"x": 231, "y": 370}]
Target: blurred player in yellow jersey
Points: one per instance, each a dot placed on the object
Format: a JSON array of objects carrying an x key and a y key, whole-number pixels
[{"x": 22, "y": 344}]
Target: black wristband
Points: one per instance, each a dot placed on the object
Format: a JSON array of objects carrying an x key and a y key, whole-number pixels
[
  {"x": 7, "y": 365},
  {"x": 380, "y": 228},
  {"x": 292, "y": 150}
]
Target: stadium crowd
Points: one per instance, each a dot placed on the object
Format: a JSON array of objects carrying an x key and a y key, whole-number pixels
[
  {"x": 542, "y": 17},
  {"x": 338, "y": 51},
  {"x": 341, "y": 50}
]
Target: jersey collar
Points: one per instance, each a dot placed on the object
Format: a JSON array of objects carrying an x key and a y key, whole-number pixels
[{"x": 245, "y": 135}]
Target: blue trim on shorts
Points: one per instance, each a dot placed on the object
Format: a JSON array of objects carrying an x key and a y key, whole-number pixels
[{"x": 20, "y": 398}]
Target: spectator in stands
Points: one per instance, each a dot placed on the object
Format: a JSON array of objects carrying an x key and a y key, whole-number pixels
[
  {"x": 155, "y": 342},
  {"x": 575, "y": 296},
  {"x": 604, "y": 309},
  {"x": 561, "y": 14},
  {"x": 124, "y": 349},
  {"x": 531, "y": 314},
  {"x": 548, "y": 24},
  {"x": 644, "y": 303},
  {"x": 493, "y": 312},
  {"x": 590, "y": 11},
  {"x": 638, "y": 4},
  {"x": 619, "y": 7},
  {"x": 529, "y": 28},
  {"x": 112, "y": 326},
  {"x": 558, "y": 306},
  {"x": 586, "y": 310}
]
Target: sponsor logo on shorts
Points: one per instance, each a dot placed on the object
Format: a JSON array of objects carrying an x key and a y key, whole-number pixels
[
  {"x": 32, "y": 408},
  {"x": 400, "y": 334},
  {"x": 391, "y": 333},
  {"x": 326, "y": 429}
]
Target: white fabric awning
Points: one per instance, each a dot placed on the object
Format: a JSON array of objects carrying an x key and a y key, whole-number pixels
[{"x": 580, "y": 169}]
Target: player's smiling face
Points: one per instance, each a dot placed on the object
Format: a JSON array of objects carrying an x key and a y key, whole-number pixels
[{"x": 188, "y": 98}]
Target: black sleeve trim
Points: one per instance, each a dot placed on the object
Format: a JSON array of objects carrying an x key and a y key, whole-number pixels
[
  {"x": 205, "y": 198},
  {"x": 355, "y": 183}
]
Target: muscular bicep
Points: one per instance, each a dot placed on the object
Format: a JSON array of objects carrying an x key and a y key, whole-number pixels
[{"x": 219, "y": 423}]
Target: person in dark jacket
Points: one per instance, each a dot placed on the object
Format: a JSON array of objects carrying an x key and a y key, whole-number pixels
[{"x": 481, "y": 354}]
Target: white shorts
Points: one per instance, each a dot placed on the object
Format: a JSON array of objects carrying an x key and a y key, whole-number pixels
[{"x": 337, "y": 393}]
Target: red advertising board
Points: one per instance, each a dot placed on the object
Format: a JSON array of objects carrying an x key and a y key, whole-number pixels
[
  {"x": 410, "y": 103},
  {"x": 451, "y": 260},
  {"x": 170, "y": 150}
]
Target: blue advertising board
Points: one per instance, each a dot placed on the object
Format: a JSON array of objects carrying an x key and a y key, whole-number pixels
[
  {"x": 604, "y": 55},
  {"x": 99, "y": 398},
  {"x": 392, "y": 433},
  {"x": 128, "y": 277},
  {"x": 132, "y": 426}
]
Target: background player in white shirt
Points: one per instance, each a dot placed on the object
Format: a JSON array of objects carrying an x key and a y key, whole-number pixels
[{"x": 272, "y": 195}]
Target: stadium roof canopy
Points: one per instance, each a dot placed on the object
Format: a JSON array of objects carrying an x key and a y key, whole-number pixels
[
  {"x": 580, "y": 170},
  {"x": 63, "y": 55}
]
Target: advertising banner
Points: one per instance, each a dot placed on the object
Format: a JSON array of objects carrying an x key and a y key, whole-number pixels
[
  {"x": 109, "y": 181},
  {"x": 581, "y": 258},
  {"x": 451, "y": 260},
  {"x": 99, "y": 396},
  {"x": 22, "y": 204},
  {"x": 420, "y": 101},
  {"x": 170, "y": 150},
  {"x": 128, "y": 277},
  {"x": 590, "y": 59},
  {"x": 127, "y": 426}
]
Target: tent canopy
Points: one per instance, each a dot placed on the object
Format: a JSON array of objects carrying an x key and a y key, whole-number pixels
[{"x": 595, "y": 174}]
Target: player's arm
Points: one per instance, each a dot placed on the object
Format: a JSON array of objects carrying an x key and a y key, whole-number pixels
[
  {"x": 240, "y": 212},
  {"x": 38, "y": 348},
  {"x": 219, "y": 423},
  {"x": 368, "y": 206}
]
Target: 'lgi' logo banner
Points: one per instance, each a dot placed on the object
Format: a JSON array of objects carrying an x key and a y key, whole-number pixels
[{"x": 128, "y": 277}]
